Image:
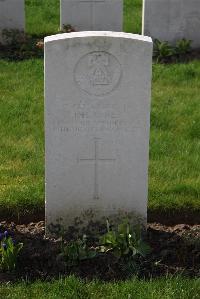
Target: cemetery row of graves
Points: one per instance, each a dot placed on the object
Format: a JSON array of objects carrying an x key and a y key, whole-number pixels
[
  {"x": 166, "y": 21},
  {"x": 119, "y": 132}
]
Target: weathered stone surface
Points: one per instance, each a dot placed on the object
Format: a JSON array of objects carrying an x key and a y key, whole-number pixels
[
  {"x": 97, "y": 111},
  {"x": 12, "y": 16},
  {"x": 92, "y": 14},
  {"x": 172, "y": 20}
]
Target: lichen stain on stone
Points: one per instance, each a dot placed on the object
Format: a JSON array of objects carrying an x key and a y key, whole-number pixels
[{"x": 92, "y": 223}]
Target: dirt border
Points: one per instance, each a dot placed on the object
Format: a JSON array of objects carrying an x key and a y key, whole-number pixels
[
  {"x": 171, "y": 217},
  {"x": 174, "y": 217},
  {"x": 174, "y": 250}
]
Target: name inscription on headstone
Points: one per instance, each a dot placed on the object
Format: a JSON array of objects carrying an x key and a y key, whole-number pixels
[{"x": 83, "y": 117}]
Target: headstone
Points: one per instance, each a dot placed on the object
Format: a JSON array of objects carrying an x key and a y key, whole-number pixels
[
  {"x": 85, "y": 15},
  {"x": 97, "y": 107},
  {"x": 12, "y": 17},
  {"x": 172, "y": 20}
]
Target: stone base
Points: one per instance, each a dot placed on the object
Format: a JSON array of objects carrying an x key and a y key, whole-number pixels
[{"x": 92, "y": 223}]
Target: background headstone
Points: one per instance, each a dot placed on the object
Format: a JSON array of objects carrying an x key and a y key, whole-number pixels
[
  {"x": 97, "y": 107},
  {"x": 96, "y": 15},
  {"x": 172, "y": 20},
  {"x": 12, "y": 16}
]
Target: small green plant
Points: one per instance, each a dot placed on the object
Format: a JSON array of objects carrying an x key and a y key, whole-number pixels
[
  {"x": 124, "y": 242},
  {"x": 68, "y": 28},
  {"x": 162, "y": 50},
  {"x": 183, "y": 47},
  {"x": 9, "y": 251},
  {"x": 77, "y": 251}
]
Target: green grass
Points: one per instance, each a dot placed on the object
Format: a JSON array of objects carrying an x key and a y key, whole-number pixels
[
  {"x": 174, "y": 172},
  {"x": 71, "y": 287},
  {"x": 133, "y": 16},
  {"x": 21, "y": 134},
  {"x": 42, "y": 16}
]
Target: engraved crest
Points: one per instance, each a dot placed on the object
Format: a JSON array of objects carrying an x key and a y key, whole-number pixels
[{"x": 97, "y": 73}]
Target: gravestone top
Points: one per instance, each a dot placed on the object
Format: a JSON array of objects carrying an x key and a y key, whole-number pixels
[
  {"x": 97, "y": 119},
  {"x": 64, "y": 36}
]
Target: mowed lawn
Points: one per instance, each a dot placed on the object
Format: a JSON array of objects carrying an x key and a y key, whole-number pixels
[
  {"x": 174, "y": 170},
  {"x": 73, "y": 288}
]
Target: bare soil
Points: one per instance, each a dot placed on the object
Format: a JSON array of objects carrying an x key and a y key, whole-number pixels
[{"x": 175, "y": 249}]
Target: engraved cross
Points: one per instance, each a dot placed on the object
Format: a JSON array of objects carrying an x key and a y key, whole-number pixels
[
  {"x": 96, "y": 159},
  {"x": 92, "y": 9}
]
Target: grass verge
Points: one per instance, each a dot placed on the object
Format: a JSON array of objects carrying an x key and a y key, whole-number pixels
[{"x": 71, "y": 287}]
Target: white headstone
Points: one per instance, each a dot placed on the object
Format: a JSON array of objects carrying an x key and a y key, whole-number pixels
[
  {"x": 12, "y": 16},
  {"x": 172, "y": 20},
  {"x": 92, "y": 14},
  {"x": 97, "y": 107}
]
